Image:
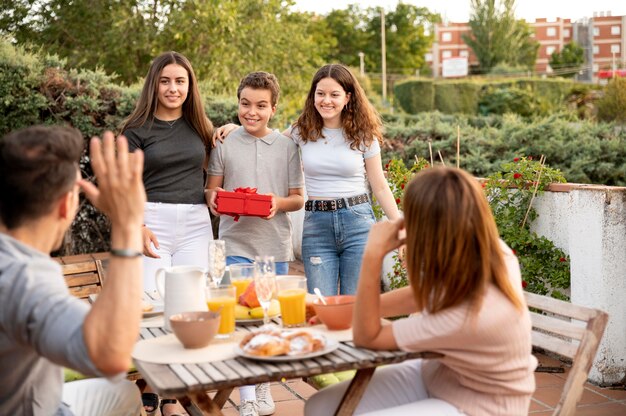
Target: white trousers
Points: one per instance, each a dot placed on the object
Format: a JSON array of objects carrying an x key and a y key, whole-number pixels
[
  {"x": 394, "y": 390},
  {"x": 100, "y": 397},
  {"x": 183, "y": 232}
]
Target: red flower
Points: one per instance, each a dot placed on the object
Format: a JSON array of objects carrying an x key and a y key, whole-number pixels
[
  {"x": 397, "y": 200},
  {"x": 396, "y": 272},
  {"x": 530, "y": 158},
  {"x": 516, "y": 159},
  {"x": 387, "y": 166},
  {"x": 517, "y": 175},
  {"x": 402, "y": 186},
  {"x": 514, "y": 252},
  {"x": 562, "y": 259},
  {"x": 524, "y": 284},
  {"x": 484, "y": 184}
]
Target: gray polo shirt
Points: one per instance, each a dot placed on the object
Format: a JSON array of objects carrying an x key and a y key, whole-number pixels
[
  {"x": 272, "y": 165},
  {"x": 41, "y": 329}
]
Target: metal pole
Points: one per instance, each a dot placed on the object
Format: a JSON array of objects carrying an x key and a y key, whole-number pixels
[
  {"x": 362, "y": 63},
  {"x": 383, "y": 53}
]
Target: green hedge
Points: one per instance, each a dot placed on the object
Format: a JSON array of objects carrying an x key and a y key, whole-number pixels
[
  {"x": 457, "y": 97},
  {"x": 415, "y": 95},
  {"x": 586, "y": 152},
  {"x": 450, "y": 97}
]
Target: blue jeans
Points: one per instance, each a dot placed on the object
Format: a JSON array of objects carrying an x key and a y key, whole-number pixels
[
  {"x": 332, "y": 247},
  {"x": 282, "y": 267}
]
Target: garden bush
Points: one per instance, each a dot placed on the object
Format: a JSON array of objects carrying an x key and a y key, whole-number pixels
[
  {"x": 415, "y": 96},
  {"x": 584, "y": 151},
  {"x": 509, "y": 100},
  {"x": 457, "y": 97},
  {"x": 612, "y": 107}
]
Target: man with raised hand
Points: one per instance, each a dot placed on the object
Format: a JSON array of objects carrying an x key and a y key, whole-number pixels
[{"x": 43, "y": 327}]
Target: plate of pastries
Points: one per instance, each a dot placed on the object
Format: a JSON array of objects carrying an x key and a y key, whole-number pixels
[{"x": 276, "y": 344}]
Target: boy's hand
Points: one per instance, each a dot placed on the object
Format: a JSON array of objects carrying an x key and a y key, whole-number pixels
[
  {"x": 220, "y": 133},
  {"x": 149, "y": 238},
  {"x": 210, "y": 195},
  {"x": 273, "y": 206}
]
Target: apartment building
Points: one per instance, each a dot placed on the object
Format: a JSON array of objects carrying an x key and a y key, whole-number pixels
[{"x": 603, "y": 37}]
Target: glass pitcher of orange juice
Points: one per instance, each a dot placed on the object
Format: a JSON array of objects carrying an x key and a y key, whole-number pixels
[
  {"x": 291, "y": 296},
  {"x": 223, "y": 299}
]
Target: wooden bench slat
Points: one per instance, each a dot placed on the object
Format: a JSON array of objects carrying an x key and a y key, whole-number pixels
[
  {"x": 559, "y": 307},
  {"x": 557, "y": 326},
  {"x": 554, "y": 344}
]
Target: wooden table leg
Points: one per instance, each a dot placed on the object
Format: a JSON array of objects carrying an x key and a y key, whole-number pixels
[
  {"x": 352, "y": 396},
  {"x": 200, "y": 400},
  {"x": 222, "y": 396}
]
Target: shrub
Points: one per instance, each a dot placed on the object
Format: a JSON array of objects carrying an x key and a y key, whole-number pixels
[
  {"x": 415, "y": 95},
  {"x": 509, "y": 100},
  {"x": 612, "y": 107},
  {"x": 457, "y": 97}
]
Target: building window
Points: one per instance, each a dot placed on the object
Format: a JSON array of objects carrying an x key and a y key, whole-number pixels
[
  {"x": 464, "y": 54},
  {"x": 550, "y": 50},
  {"x": 616, "y": 30},
  {"x": 446, "y": 37},
  {"x": 595, "y": 67},
  {"x": 615, "y": 48},
  {"x": 429, "y": 57},
  {"x": 446, "y": 54},
  {"x": 596, "y": 49},
  {"x": 596, "y": 31},
  {"x": 566, "y": 33},
  {"x": 551, "y": 32}
]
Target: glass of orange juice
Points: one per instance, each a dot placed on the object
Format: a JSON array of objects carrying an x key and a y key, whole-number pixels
[
  {"x": 222, "y": 299},
  {"x": 241, "y": 275},
  {"x": 291, "y": 296}
]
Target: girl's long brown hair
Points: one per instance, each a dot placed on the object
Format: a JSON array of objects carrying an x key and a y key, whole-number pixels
[
  {"x": 453, "y": 247},
  {"x": 193, "y": 110},
  {"x": 360, "y": 121}
]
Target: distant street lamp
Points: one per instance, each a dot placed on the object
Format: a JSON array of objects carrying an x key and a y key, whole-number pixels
[
  {"x": 362, "y": 63},
  {"x": 383, "y": 54}
]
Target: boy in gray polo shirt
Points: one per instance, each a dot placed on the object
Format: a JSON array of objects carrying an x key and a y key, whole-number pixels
[{"x": 256, "y": 156}]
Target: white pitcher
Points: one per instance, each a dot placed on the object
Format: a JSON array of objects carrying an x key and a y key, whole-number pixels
[{"x": 182, "y": 290}]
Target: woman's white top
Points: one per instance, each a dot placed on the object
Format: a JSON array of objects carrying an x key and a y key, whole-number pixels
[{"x": 331, "y": 168}]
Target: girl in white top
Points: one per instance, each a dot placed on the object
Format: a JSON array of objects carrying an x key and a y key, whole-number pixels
[{"x": 339, "y": 134}]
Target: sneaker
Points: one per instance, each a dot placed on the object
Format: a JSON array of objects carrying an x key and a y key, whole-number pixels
[
  {"x": 264, "y": 399},
  {"x": 248, "y": 408}
]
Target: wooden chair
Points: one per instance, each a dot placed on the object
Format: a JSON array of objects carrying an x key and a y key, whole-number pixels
[
  {"x": 84, "y": 278},
  {"x": 555, "y": 329}
]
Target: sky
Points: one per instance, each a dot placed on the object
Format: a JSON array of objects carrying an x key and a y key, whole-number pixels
[{"x": 459, "y": 10}]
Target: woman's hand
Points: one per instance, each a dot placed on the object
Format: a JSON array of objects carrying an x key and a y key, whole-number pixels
[
  {"x": 148, "y": 239},
  {"x": 220, "y": 133},
  {"x": 385, "y": 236}
]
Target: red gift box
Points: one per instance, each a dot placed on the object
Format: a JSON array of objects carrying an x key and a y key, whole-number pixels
[{"x": 243, "y": 201}]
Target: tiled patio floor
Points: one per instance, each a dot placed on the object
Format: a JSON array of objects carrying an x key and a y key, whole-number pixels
[{"x": 291, "y": 395}]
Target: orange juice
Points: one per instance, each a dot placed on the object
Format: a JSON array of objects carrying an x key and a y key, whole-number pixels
[
  {"x": 227, "y": 314},
  {"x": 241, "y": 285},
  {"x": 292, "y": 306}
]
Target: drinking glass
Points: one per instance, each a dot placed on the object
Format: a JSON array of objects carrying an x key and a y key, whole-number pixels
[
  {"x": 222, "y": 299},
  {"x": 217, "y": 262},
  {"x": 292, "y": 298},
  {"x": 265, "y": 283},
  {"x": 241, "y": 275}
]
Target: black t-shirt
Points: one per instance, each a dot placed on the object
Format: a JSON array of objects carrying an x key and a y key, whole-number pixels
[{"x": 174, "y": 154}]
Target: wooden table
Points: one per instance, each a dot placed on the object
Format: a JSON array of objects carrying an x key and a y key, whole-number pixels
[{"x": 189, "y": 383}]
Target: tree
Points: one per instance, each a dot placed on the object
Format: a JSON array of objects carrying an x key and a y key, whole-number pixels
[
  {"x": 407, "y": 38},
  {"x": 568, "y": 61},
  {"x": 347, "y": 27},
  {"x": 497, "y": 37}
]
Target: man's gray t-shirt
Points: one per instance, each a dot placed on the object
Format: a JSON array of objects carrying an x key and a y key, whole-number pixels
[
  {"x": 41, "y": 329},
  {"x": 272, "y": 165},
  {"x": 173, "y": 159}
]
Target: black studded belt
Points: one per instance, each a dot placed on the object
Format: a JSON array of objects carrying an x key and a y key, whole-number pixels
[{"x": 335, "y": 204}]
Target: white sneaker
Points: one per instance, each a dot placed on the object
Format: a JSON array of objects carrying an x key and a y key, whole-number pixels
[
  {"x": 264, "y": 399},
  {"x": 248, "y": 408}
]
